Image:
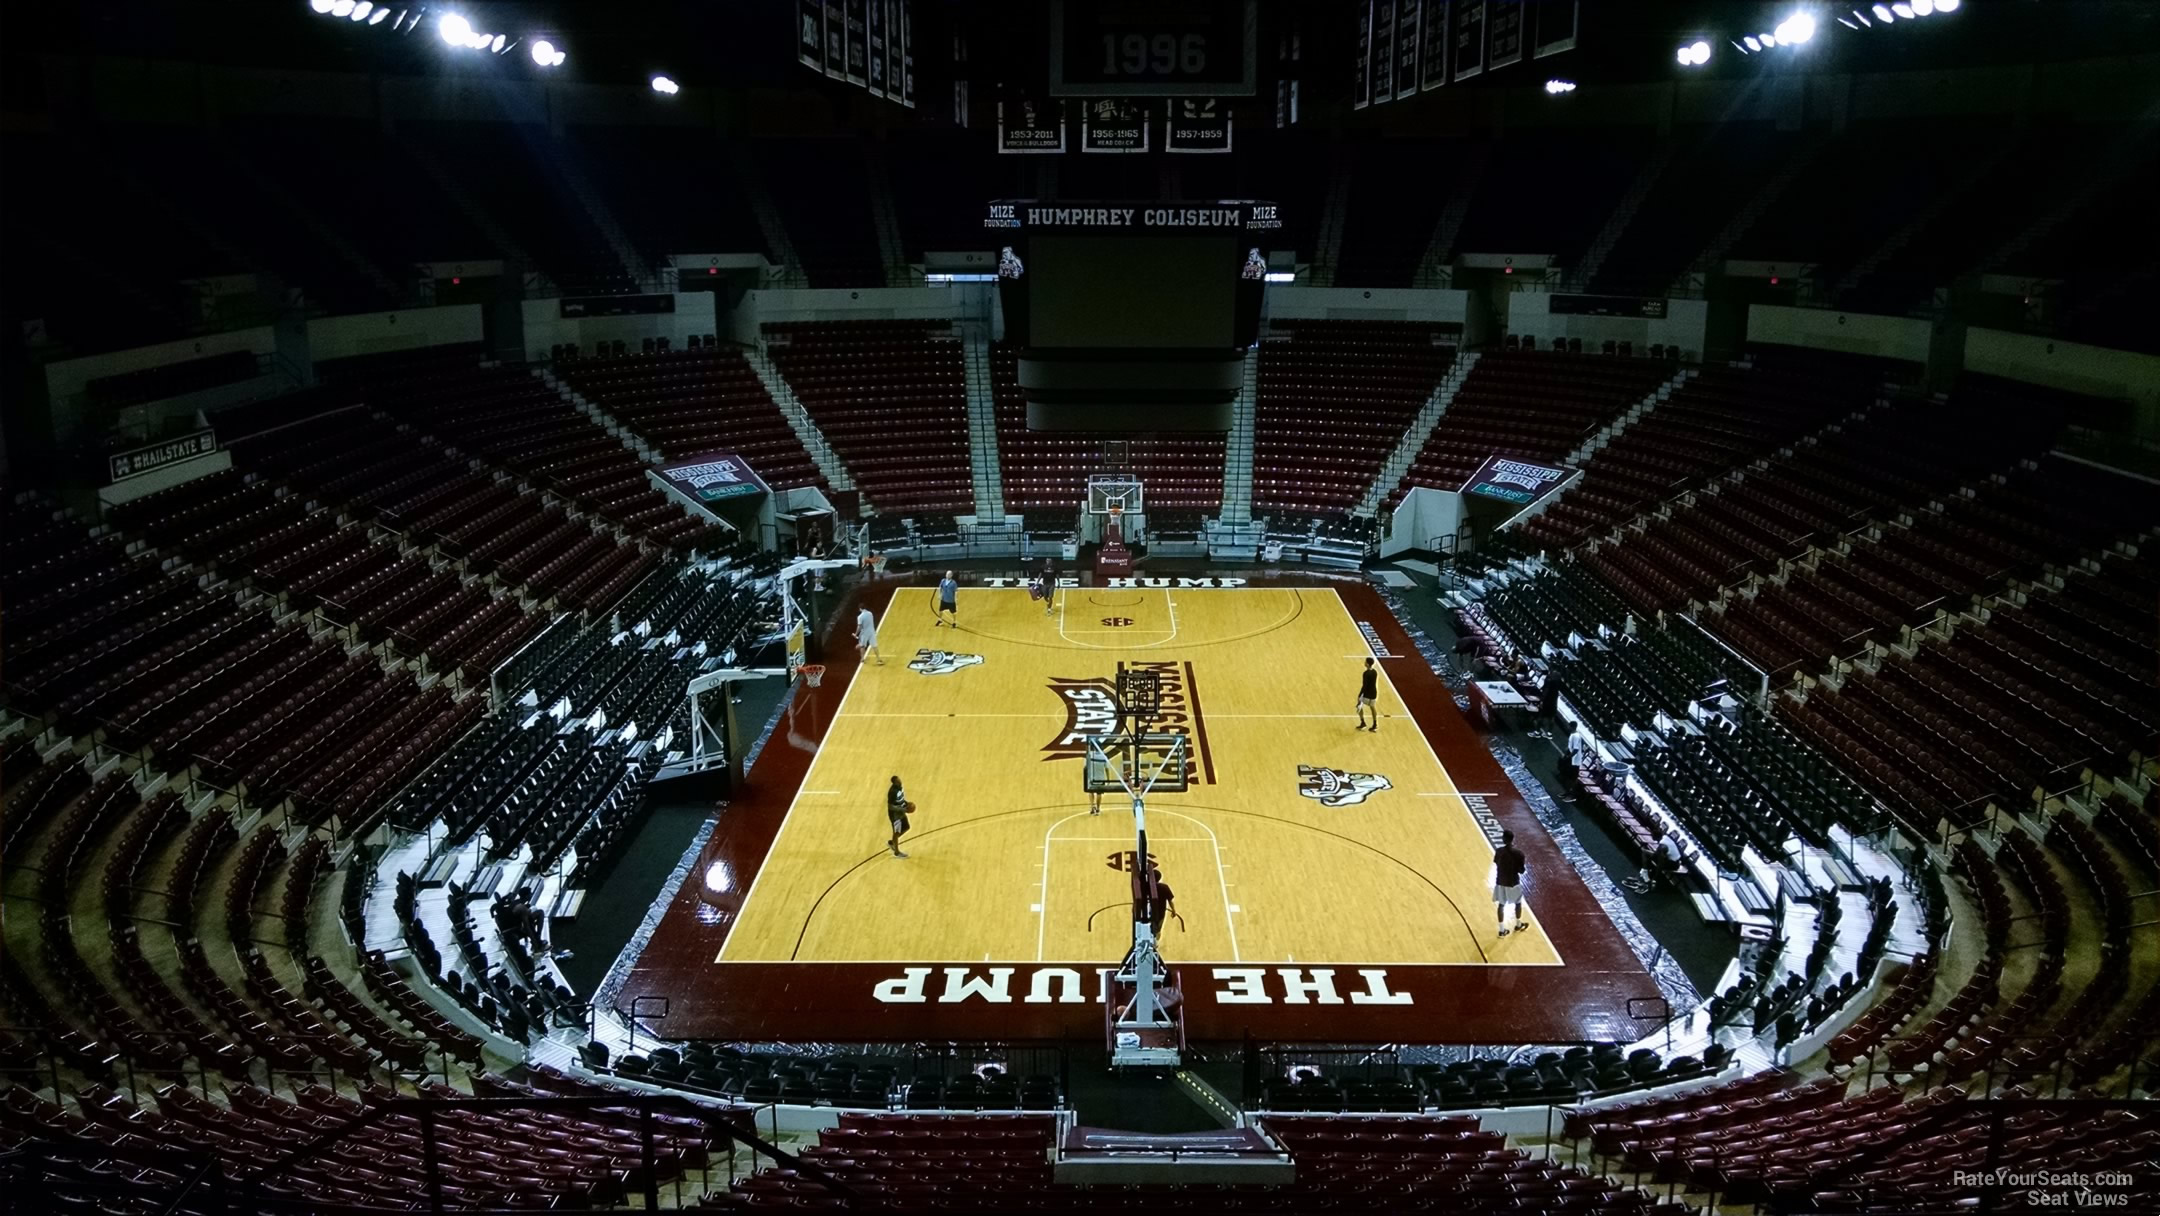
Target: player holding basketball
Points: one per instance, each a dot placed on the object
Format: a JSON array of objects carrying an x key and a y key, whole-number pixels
[
  {"x": 1368, "y": 698},
  {"x": 897, "y": 807},
  {"x": 948, "y": 600},
  {"x": 1507, "y": 866}
]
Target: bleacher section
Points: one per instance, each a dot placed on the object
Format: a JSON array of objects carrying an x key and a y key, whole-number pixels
[
  {"x": 1527, "y": 406},
  {"x": 1722, "y": 418},
  {"x": 687, "y": 403},
  {"x": 891, "y": 398},
  {"x": 1334, "y": 397}
]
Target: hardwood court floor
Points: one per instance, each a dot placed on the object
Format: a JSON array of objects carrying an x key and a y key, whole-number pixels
[{"x": 1301, "y": 840}]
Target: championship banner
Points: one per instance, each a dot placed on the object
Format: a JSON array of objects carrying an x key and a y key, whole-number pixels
[
  {"x": 810, "y": 34},
  {"x": 137, "y": 461},
  {"x": 1432, "y": 61},
  {"x": 1361, "y": 84},
  {"x": 1196, "y": 124},
  {"x": 712, "y": 477},
  {"x": 1556, "y": 22},
  {"x": 1028, "y": 125},
  {"x": 858, "y": 52},
  {"x": 1112, "y": 124},
  {"x": 1503, "y": 32},
  {"x": 1383, "y": 51},
  {"x": 1406, "y": 48},
  {"x": 1469, "y": 40},
  {"x": 1515, "y": 481},
  {"x": 835, "y": 64},
  {"x": 875, "y": 18}
]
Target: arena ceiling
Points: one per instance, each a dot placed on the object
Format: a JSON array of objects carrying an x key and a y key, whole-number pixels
[{"x": 746, "y": 43}]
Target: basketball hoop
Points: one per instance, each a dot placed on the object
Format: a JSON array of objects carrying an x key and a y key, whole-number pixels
[
  {"x": 813, "y": 674},
  {"x": 872, "y": 562}
]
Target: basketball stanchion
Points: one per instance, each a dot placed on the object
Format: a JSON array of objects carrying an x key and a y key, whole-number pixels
[{"x": 813, "y": 674}]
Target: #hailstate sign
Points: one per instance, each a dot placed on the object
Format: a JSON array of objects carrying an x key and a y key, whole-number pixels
[
  {"x": 132, "y": 463},
  {"x": 712, "y": 477},
  {"x": 1515, "y": 481}
]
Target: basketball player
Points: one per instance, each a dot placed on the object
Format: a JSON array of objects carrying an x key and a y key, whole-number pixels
[
  {"x": 1165, "y": 901},
  {"x": 1049, "y": 582},
  {"x": 896, "y": 814},
  {"x": 1039, "y": 589},
  {"x": 948, "y": 600},
  {"x": 866, "y": 636},
  {"x": 1368, "y": 698},
  {"x": 1507, "y": 862}
]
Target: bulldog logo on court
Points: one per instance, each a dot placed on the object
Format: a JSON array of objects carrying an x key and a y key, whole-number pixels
[
  {"x": 942, "y": 662},
  {"x": 1334, "y": 787}
]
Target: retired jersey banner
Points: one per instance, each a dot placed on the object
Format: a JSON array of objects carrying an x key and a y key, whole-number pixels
[
  {"x": 835, "y": 64},
  {"x": 1196, "y": 124},
  {"x": 1406, "y": 48},
  {"x": 1469, "y": 40},
  {"x": 1433, "y": 60},
  {"x": 1027, "y": 124},
  {"x": 712, "y": 477},
  {"x": 1112, "y": 124},
  {"x": 875, "y": 19},
  {"x": 907, "y": 52},
  {"x": 858, "y": 50},
  {"x": 810, "y": 33},
  {"x": 1515, "y": 481}
]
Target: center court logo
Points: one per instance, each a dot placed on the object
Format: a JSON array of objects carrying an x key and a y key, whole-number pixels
[
  {"x": 1335, "y": 787},
  {"x": 1091, "y": 712},
  {"x": 942, "y": 662}
]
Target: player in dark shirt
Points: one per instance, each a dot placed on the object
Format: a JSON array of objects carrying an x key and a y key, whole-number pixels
[
  {"x": 1164, "y": 906},
  {"x": 897, "y": 807},
  {"x": 1507, "y": 864},
  {"x": 1368, "y": 698}
]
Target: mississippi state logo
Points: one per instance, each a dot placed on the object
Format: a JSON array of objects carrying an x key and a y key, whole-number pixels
[
  {"x": 1334, "y": 787},
  {"x": 1091, "y": 712},
  {"x": 942, "y": 662}
]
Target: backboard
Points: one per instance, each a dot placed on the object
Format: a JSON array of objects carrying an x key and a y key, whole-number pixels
[
  {"x": 1135, "y": 764},
  {"x": 1119, "y": 490}
]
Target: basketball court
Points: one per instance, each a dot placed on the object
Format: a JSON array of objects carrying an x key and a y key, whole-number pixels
[
  {"x": 986, "y": 726},
  {"x": 1313, "y": 864}
]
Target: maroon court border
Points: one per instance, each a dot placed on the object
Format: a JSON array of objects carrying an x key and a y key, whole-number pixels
[{"x": 1601, "y": 993}]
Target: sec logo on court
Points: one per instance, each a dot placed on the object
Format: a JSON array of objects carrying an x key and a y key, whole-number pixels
[{"x": 1117, "y": 622}]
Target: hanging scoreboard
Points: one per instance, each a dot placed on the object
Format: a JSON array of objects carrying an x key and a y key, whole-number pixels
[{"x": 1153, "y": 48}]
